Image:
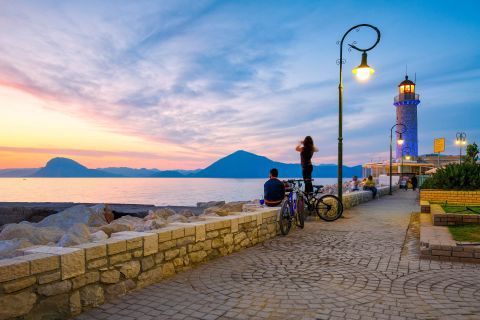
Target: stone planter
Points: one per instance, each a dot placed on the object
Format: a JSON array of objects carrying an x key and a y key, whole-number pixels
[{"x": 450, "y": 196}]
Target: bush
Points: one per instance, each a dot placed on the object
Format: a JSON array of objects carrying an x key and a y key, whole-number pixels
[{"x": 465, "y": 176}]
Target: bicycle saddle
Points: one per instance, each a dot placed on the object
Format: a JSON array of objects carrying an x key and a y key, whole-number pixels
[{"x": 318, "y": 187}]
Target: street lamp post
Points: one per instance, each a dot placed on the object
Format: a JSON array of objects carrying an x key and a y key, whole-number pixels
[
  {"x": 399, "y": 142},
  {"x": 461, "y": 141},
  {"x": 363, "y": 72}
]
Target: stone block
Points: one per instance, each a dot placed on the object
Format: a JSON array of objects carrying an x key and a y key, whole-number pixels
[
  {"x": 72, "y": 264},
  {"x": 168, "y": 269},
  {"x": 234, "y": 225},
  {"x": 185, "y": 241},
  {"x": 200, "y": 232},
  {"x": 54, "y": 288},
  {"x": 164, "y": 235},
  {"x": 11, "y": 269},
  {"x": 190, "y": 230},
  {"x": 149, "y": 277},
  {"x": 167, "y": 245},
  {"x": 92, "y": 296},
  {"x": 17, "y": 285},
  {"x": 212, "y": 234},
  {"x": 41, "y": 262},
  {"x": 178, "y": 233},
  {"x": 119, "y": 258},
  {"x": 97, "y": 263},
  {"x": 150, "y": 244},
  {"x": 171, "y": 254},
  {"x": 464, "y": 254},
  {"x": 110, "y": 276},
  {"x": 93, "y": 250},
  {"x": 75, "y": 303},
  {"x": 217, "y": 243},
  {"x": 131, "y": 269},
  {"x": 115, "y": 246},
  {"x": 49, "y": 277},
  {"x": 147, "y": 263},
  {"x": 85, "y": 279},
  {"x": 197, "y": 256},
  {"x": 133, "y": 239},
  {"x": 16, "y": 305}
]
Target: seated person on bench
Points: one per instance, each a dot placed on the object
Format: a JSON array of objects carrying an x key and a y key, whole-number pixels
[{"x": 274, "y": 190}]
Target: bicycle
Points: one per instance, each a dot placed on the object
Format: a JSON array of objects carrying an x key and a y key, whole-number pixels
[
  {"x": 289, "y": 211},
  {"x": 327, "y": 206}
]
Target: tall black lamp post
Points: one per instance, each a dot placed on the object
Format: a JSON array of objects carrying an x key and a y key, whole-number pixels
[
  {"x": 461, "y": 141},
  {"x": 400, "y": 141},
  {"x": 363, "y": 72}
]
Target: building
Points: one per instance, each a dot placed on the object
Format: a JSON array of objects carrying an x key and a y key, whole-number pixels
[
  {"x": 406, "y": 161},
  {"x": 406, "y": 103}
]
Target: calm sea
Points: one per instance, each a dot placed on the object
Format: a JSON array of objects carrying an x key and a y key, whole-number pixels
[{"x": 133, "y": 190}]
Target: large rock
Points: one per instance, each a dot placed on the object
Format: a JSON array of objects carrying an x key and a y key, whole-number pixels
[
  {"x": 163, "y": 213},
  {"x": 225, "y": 209},
  {"x": 77, "y": 234},
  {"x": 31, "y": 232},
  {"x": 99, "y": 236},
  {"x": 16, "y": 305},
  {"x": 8, "y": 248},
  {"x": 177, "y": 218},
  {"x": 210, "y": 204},
  {"x": 114, "y": 227},
  {"x": 155, "y": 224},
  {"x": 92, "y": 217}
]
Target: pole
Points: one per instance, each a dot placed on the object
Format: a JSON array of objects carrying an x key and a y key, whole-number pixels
[
  {"x": 460, "y": 154},
  {"x": 391, "y": 134},
  {"x": 340, "y": 102}
]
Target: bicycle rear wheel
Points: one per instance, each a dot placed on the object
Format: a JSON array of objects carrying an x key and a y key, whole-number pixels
[
  {"x": 329, "y": 208},
  {"x": 285, "y": 220},
  {"x": 300, "y": 212}
]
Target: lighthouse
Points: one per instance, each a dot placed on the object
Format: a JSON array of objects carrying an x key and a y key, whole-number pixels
[{"x": 406, "y": 104}]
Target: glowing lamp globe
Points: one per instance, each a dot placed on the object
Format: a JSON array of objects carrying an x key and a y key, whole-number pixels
[
  {"x": 400, "y": 140},
  {"x": 363, "y": 71},
  {"x": 407, "y": 157}
]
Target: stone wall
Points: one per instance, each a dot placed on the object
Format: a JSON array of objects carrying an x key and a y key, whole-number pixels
[
  {"x": 357, "y": 197},
  {"x": 450, "y": 196},
  {"x": 55, "y": 282},
  {"x": 441, "y": 218}
]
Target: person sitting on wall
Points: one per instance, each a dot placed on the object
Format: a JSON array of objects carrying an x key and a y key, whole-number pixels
[
  {"x": 274, "y": 190},
  {"x": 370, "y": 185},
  {"x": 355, "y": 184}
]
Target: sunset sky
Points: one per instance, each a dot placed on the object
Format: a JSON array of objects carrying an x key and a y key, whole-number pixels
[{"x": 179, "y": 84}]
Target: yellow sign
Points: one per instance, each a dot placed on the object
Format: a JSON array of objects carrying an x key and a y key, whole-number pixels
[{"x": 439, "y": 145}]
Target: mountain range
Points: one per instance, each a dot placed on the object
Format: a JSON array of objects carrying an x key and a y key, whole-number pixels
[{"x": 240, "y": 164}]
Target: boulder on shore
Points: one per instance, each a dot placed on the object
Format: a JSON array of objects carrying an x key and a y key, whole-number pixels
[
  {"x": 225, "y": 209},
  {"x": 210, "y": 204},
  {"x": 32, "y": 233},
  {"x": 92, "y": 217},
  {"x": 8, "y": 248},
  {"x": 77, "y": 234}
]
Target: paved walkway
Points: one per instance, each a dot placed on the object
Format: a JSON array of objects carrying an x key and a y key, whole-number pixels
[{"x": 364, "y": 266}]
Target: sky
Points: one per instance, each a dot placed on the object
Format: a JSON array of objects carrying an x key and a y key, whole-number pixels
[{"x": 179, "y": 84}]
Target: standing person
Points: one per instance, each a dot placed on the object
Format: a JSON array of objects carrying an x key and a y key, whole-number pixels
[
  {"x": 414, "y": 182},
  {"x": 273, "y": 189},
  {"x": 306, "y": 149}
]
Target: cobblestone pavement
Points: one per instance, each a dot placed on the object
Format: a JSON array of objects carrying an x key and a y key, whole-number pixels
[{"x": 365, "y": 266}]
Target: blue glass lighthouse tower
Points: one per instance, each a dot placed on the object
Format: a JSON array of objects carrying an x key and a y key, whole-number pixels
[{"x": 406, "y": 104}]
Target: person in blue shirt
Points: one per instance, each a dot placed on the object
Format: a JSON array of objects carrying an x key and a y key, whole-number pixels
[{"x": 274, "y": 190}]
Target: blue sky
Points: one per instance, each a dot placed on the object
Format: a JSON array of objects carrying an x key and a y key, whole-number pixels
[{"x": 181, "y": 83}]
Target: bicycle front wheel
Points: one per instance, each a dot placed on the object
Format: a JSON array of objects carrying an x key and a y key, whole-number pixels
[
  {"x": 300, "y": 212},
  {"x": 285, "y": 220},
  {"x": 329, "y": 208}
]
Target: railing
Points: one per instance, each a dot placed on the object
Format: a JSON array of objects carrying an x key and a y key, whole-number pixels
[{"x": 407, "y": 96}]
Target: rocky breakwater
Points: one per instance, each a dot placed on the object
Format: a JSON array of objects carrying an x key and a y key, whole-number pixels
[{"x": 56, "y": 277}]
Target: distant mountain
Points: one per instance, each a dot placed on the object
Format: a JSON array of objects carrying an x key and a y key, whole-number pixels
[
  {"x": 68, "y": 168},
  {"x": 131, "y": 172},
  {"x": 243, "y": 164},
  {"x": 21, "y": 172},
  {"x": 240, "y": 164}
]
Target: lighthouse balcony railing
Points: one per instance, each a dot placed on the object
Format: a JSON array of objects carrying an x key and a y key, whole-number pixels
[{"x": 407, "y": 96}]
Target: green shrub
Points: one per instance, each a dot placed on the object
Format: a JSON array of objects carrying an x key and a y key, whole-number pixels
[{"x": 465, "y": 176}]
